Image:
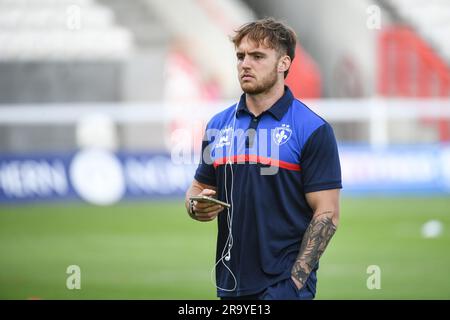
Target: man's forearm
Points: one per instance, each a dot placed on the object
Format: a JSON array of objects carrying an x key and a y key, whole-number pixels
[{"x": 314, "y": 242}]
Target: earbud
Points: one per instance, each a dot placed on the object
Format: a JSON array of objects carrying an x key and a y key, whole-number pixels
[{"x": 228, "y": 256}]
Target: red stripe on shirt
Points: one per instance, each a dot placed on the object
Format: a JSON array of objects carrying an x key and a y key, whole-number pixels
[{"x": 244, "y": 158}]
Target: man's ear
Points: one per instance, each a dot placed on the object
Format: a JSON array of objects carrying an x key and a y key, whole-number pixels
[{"x": 284, "y": 64}]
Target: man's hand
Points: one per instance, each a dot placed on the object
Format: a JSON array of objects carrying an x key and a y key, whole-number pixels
[{"x": 204, "y": 210}]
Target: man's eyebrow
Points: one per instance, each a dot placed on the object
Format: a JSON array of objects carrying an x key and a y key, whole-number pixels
[
  {"x": 256, "y": 52},
  {"x": 251, "y": 53}
]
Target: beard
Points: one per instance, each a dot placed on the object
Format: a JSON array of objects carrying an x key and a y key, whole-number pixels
[{"x": 257, "y": 87}]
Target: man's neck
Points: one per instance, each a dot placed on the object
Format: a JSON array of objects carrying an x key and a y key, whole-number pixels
[{"x": 259, "y": 103}]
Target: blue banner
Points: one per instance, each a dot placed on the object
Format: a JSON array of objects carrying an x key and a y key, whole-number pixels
[
  {"x": 401, "y": 169},
  {"x": 96, "y": 176}
]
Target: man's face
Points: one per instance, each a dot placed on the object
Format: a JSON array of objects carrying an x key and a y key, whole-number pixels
[{"x": 257, "y": 66}]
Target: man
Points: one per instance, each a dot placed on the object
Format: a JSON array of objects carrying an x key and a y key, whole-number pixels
[{"x": 280, "y": 221}]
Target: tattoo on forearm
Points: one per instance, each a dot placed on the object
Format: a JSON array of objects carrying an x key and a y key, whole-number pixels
[{"x": 314, "y": 242}]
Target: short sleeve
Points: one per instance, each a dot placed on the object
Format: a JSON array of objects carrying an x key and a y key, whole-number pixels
[
  {"x": 206, "y": 172},
  {"x": 320, "y": 165}
]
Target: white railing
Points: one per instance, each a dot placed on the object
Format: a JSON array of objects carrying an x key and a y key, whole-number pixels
[{"x": 375, "y": 113}]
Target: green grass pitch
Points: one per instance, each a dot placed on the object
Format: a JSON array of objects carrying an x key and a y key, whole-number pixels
[{"x": 152, "y": 250}]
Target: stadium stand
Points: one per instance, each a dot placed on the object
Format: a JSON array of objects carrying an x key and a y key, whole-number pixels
[
  {"x": 414, "y": 53},
  {"x": 74, "y": 46},
  {"x": 430, "y": 19},
  {"x": 47, "y": 30}
]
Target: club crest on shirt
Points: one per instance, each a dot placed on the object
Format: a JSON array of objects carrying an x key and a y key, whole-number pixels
[
  {"x": 224, "y": 137},
  {"x": 282, "y": 134}
]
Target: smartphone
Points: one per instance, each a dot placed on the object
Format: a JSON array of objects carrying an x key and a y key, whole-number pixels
[{"x": 206, "y": 199}]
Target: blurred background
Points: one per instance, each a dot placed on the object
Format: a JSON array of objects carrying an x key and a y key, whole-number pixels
[{"x": 103, "y": 104}]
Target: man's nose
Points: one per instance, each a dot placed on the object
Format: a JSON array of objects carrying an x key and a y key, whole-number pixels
[{"x": 245, "y": 62}]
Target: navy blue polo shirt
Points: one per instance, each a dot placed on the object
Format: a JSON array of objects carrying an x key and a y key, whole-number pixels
[{"x": 264, "y": 166}]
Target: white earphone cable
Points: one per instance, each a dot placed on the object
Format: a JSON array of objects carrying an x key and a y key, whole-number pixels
[{"x": 226, "y": 251}]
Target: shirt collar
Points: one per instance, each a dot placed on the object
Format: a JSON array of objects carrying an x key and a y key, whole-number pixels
[{"x": 278, "y": 110}]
